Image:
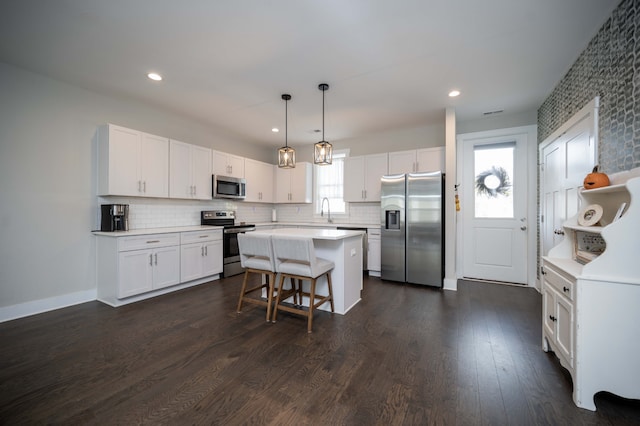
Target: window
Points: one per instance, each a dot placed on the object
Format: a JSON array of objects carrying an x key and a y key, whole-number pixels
[{"x": 329, "y": 181}]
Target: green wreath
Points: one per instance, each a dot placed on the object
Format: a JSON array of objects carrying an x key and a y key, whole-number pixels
[{"x": 493, "y": 182}]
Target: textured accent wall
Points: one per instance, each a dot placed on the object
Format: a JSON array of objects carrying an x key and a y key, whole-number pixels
[{"x": 608, "y": 67}]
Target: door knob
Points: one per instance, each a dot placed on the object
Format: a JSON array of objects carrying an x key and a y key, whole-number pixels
[{"x": 523, "y": 227}]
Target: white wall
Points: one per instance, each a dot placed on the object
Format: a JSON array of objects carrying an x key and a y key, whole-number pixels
[
  {"x": 47, "y": 198},
  {"x": 499, "y": 121},
  {"x": 395, "y": 140}
]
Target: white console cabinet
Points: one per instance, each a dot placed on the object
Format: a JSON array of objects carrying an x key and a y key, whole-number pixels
[{"x": 591, "y": 311}]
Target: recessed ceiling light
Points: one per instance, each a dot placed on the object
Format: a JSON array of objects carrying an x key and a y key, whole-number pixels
[
  {"x": 154, "y": 76},
  {"x": 454, "y": 93},
  {"x": 275, "y": 130}
]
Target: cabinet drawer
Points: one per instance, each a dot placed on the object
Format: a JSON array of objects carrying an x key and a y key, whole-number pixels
[
  {"x": 148, "y": 241},
  {"x": 200, "y": 236},
  {"x": 560, "y": 283}
]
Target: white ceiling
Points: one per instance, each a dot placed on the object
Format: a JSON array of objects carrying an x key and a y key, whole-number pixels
[{"x": 389, "y": 64}]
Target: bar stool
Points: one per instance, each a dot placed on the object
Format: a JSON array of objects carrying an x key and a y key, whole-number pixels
[
  {"x": 295, "y": 258},
  {"x": 256, "y": 256}
]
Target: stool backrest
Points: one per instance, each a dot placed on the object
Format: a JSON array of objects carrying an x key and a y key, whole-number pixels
[
  {"x": 294, "y": 249},
  {"x": 252, "y": 246}
]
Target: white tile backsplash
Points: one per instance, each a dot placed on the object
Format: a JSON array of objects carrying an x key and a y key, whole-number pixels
[{"x": 158, "y": 213}]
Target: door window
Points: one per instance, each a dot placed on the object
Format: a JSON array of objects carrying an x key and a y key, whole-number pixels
[{"x": 493, "y": 171}]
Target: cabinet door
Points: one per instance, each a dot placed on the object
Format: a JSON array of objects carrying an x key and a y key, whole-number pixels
[
  {"x": 155, "y": 166},
  {"x": 259, "y": 177},
  {"x": 402, "y": 162},
  {"x": 180, "y": 184},
  {"x": 373, "y": 256},
  {"x": 564, "y": 330},
  {"x": 354, "y": 179},
  {"x": 228, "y": 165},
  {"x": 166, "y": 266},
  {"x": 301, "y": 183},
  {"x": 124, "y": 162},
  {"x": 201, "y": 166},
  {"x": 191, "y": 261},
  {"x": 236, "y": 166},
  {"x": 430, "y": 159},
  {"x": 375, "y": 168},
  {"x": 283, "y": 185},
  {"x": 134, "y": 272},
  {"x": 212, "y": 260},
  {"x": 549, "y": 312}
]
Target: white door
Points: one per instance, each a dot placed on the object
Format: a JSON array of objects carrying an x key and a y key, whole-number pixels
[
  {"x": 566, "y": 160},
  {"x": 494, "y": 205}
]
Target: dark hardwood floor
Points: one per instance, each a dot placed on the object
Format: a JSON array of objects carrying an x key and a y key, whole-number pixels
[{"x": 404, "y": 355}]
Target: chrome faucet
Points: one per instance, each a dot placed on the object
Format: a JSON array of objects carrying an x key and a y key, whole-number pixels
[{"x": 329, "y": 220}]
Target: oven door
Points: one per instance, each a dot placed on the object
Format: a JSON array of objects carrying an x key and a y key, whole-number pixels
[{"x": 231, "y": 252}]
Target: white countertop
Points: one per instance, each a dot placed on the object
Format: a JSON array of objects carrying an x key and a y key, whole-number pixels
[
  {"x": 318, "y": 234},
  {"x": 325, "y": 225},
  {"x": 147, "y": 231}
]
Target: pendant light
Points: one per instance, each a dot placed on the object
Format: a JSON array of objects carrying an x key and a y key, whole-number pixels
[
  {"x": 286, "y": 155},
  {"x": 322, "y": 151}
]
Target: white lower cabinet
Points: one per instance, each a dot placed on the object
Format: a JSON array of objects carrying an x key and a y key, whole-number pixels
[
  {"x": 145, "y": 270},
  {"x": 558, "y": 313},
  {"x": 374, "y": 252},
  {"x": 200, "y": 254},
  {"x": 132, "y": 268}
]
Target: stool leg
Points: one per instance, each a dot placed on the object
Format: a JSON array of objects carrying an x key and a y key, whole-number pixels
[
  {"x": 330, "y": 290},
  {"x": 275, "y": 309},
  {"x": 244, "y": 287},
  {"x": 271, "y": 281},
  {"x": 312, "y": 294}
]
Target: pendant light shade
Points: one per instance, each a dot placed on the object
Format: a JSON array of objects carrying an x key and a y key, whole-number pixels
[
  {"x": 286, "y": 155},
  {"x": 322, "y": 151}
]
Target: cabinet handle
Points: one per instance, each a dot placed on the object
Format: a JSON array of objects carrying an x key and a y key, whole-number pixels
[
  {"x": 565, "y": 289},
  {"x": 156, "y": 258},
  {"x": 543, "y": 272},
  {"x": 201, "y": 251},
  {"x": 558, "y": 231},
  {"x": 150, "y": 260},
  {"x": 144, "y": 186},
  {"x": 153, "y": 241},
  {"x": 139, "y": 186},
  {"x": 365, "y": 194},
  {"x": 552, "y": 318},
  {"x": 206, "y": 251},
  {"x": 203, "y": 236}
]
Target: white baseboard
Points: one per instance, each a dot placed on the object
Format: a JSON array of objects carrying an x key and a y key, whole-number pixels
[
  {"x": 21, "y": 310},
  {"x": 450, "y": 284}
]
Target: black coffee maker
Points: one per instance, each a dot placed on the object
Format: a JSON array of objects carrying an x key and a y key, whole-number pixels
[{"x": 114, "y": 217}]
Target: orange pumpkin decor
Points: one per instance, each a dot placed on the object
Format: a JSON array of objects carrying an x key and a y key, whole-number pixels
[{"x": 596, "y": 179}]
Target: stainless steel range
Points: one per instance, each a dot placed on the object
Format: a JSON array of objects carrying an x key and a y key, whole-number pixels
[{"x": 231, "y": 253}]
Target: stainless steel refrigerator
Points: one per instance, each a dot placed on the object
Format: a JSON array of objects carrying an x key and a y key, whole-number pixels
[{"x": 412, "y": 228}]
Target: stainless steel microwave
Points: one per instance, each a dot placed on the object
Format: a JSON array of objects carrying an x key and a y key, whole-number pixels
[{"x": 228, "y": 187}]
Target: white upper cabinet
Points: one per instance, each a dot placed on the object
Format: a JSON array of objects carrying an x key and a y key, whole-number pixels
[
  {"x": 228, "y": 165},
  {"x": 362, "y": 177},
  {"x": 294, "y": 185},
  {"x": 132, "y": 163},
  {"x": 430, "y": 159},
  {"x": 259, "y": 177},
  {"x": 421, "y": 160},
  {"x": 189, "y": 171}
]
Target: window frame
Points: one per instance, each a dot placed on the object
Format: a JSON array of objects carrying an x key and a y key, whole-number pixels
[{"x": 317, "y": 201}]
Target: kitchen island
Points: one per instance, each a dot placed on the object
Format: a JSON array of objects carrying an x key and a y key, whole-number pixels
[{"x": 342, "y": 247}]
